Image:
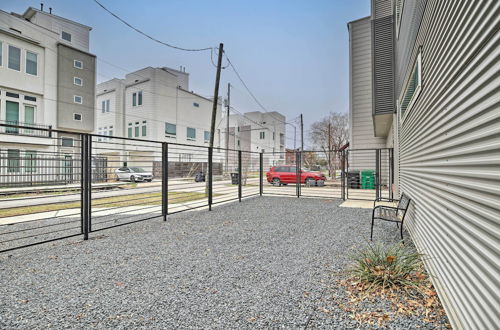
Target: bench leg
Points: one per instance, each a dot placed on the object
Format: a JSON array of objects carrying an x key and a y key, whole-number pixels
[
  {"x": 401, "y": 231},
  {"x": 371, "y": 230}
]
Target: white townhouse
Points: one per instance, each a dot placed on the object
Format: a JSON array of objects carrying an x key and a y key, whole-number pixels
[
  {"x": 258, "y": 132},
  {"x": 47, "y": 80},
  {"x": 154, "y": 104}
]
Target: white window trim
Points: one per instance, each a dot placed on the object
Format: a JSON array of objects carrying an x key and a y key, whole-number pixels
[
  {"x": 77, "y": 113},
  {"x": 418, "y": 89},
  {"x": 20, "y": 58},
  {"x": 74, "y": 81},
  {"x": 1, "y": 52},
  {"x": 74, "y": 99},
  {"x": 74, "y": 64},
  {"x": 26, "y": 60}
]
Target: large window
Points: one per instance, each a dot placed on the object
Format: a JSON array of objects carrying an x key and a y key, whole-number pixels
[
  {"x": 30, "y": 161},
  {"x": 105, "y": 106},
  {"x": 412, "y": 88},
  {"x": 29, "y": 116},
  {"x": 67, "y": 142},
  {"x": 14, "y": 58},
  {"x": 12, "y": 116},
  {"x": 170, "y": 129},
  {"x": 13, "y": 161},
  {"x": 191, "y": 133},
  {"x": 262, "y": 135},
  {"x": 129, "y": 130},
  {"x": 136, "y": 129},
  {"x": 31, "y": 63},
  {"x": 206, "y": 136}
]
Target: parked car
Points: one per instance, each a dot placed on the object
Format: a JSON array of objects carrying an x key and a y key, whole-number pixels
[
  {"x": 285, "y": 174},
  {"x": 133, "y": 174}
]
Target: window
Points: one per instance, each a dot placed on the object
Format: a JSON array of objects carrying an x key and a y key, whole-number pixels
[
  {"x": 30, "y": 98},
  {"x": 29, "y": 115},
  {"x": 30, "y": 161},
  {"x": 170, "y": 129},
  {"x": 77, "y": 99},
  {"x": 274, "y": 136},
  {"x": 1, "y": 53},
  {"x": 105, "y": 106},
  {"x": 77, "y": 81},
  {"x": 134, "y": 99},
  {"x": 129, "y": 130},
  {"x": 412, "y": 88},
  {"x": 13, "y": 161},
  {"x": 262, "y": 135},
  {"x": 196, "y": 105},
  {"x": 66, "y": 36},
  {"x": 110, "y": 133},
  {"x": 139, "y": 98},
  {"x": 136, "y": 129},
  {"x": 191, "y": 133},
  {"x": 206, "y": 136},
  {"x": 78, "y": 64},
  {"x": 31, "y": 63},
  {"x": 14, "y": 58},
  {"x": 14, "y": 95},
  {"x": 144, "y": 128},
  {"x": 67, "y": 142},
  {"x": 77, "y": 116},
  {"x": 12, "y": 116},
  {"x": 238, "y": 143}
]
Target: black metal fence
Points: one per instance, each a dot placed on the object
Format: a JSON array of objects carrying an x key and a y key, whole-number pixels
[{"x": 75, "y": 184}]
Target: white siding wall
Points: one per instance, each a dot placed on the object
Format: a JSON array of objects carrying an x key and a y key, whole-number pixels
[{"x": 450, "y": 156}]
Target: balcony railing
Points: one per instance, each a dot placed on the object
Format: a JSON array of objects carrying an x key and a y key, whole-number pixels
[{"x": 26, "y": 129}]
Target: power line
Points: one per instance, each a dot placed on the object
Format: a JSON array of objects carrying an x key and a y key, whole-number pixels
[{"x": 148, "y": 36}]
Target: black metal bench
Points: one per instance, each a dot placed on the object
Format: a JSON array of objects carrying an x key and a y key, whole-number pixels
[{"x": 391, "y": 214}]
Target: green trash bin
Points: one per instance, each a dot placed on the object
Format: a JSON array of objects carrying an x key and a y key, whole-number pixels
[{"x": 367, "y": 179}]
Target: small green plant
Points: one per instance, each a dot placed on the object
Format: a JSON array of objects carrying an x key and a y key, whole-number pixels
[{"x": 386, "y": 266}]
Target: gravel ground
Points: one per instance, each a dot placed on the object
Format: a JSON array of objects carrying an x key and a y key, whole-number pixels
[{"x": 267, "y": 262}]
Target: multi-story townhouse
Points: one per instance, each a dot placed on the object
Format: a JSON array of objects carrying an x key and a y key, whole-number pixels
[
  {"x": 424, "y": 79},
  {"x": 47, "y": 80},
  {"x": 155, "y": 104},
  {"x": 258, "y": 132}
]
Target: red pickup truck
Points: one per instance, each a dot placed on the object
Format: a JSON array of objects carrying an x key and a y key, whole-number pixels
[{"x": 285, "y": 174}]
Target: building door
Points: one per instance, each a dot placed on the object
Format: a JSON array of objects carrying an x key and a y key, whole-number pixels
[{"x": 12, "y": 116}]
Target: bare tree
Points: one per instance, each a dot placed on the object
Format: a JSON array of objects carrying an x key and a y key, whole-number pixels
[{"x": 330, "y": 134}]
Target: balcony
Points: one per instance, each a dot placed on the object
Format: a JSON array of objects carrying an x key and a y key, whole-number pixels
[{"x": 25, "y": 129}]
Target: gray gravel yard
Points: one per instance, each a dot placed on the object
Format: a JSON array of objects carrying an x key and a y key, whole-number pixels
[{"x": 265, "y": 262}]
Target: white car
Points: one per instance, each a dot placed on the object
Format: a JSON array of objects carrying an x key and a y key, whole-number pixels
[{"x": 133, "y": 174}]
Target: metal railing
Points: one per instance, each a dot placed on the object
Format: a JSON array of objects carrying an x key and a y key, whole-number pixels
[
  {"x": 26, "y": 129},
  {"x": 57, "y": 191}
]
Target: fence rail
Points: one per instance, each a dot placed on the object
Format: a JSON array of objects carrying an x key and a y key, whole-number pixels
[{"x": 96, "y": 182}]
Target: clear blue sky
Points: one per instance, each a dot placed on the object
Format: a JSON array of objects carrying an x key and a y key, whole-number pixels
[{"x": 292, "y": 54}]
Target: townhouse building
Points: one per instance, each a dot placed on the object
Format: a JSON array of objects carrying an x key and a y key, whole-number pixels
[
  {"x": 47, "y": 80},
  {"x": 154, "y": 104},
  {"x": 425, "y": 81},
  {"x": 258, "y": 132}
]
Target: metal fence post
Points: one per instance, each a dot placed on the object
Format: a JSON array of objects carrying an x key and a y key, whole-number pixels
[
  {"x": 82, "y": 185},
  {"x": 210, "y": 160},
  {"x": 297, "y": 173},
  {"x": 86, "y": 185},
  {"x": 342, "y": 175},
  {"x": 261, "y": 173},
  {"x": 239, "y": 175},
  {"x": 377, "y": 174},
  {"x": 164, "y": 180}
]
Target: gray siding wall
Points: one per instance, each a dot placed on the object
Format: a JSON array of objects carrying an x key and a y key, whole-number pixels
[
  {"x": 360, "y": 67},
  {"x": 450, "y": 152},
  {"x": 66, "y": 89}
]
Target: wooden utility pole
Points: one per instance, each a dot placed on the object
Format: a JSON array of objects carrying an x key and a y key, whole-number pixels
[
  {"x": 216, "y": 95},
  {"x": 227, "y": 124}
]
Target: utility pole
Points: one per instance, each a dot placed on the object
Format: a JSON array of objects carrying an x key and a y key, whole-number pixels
[
  {"x": 208, "y": 186},
  {"x": 294, "y": 137},
  {"x": 301, "y": 133},
  {"x": 216, "y": 95},
  {"x": 227, "y": 124}
]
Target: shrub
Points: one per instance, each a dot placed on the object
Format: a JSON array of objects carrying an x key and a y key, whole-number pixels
[{"x": 386, "y": 266}]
